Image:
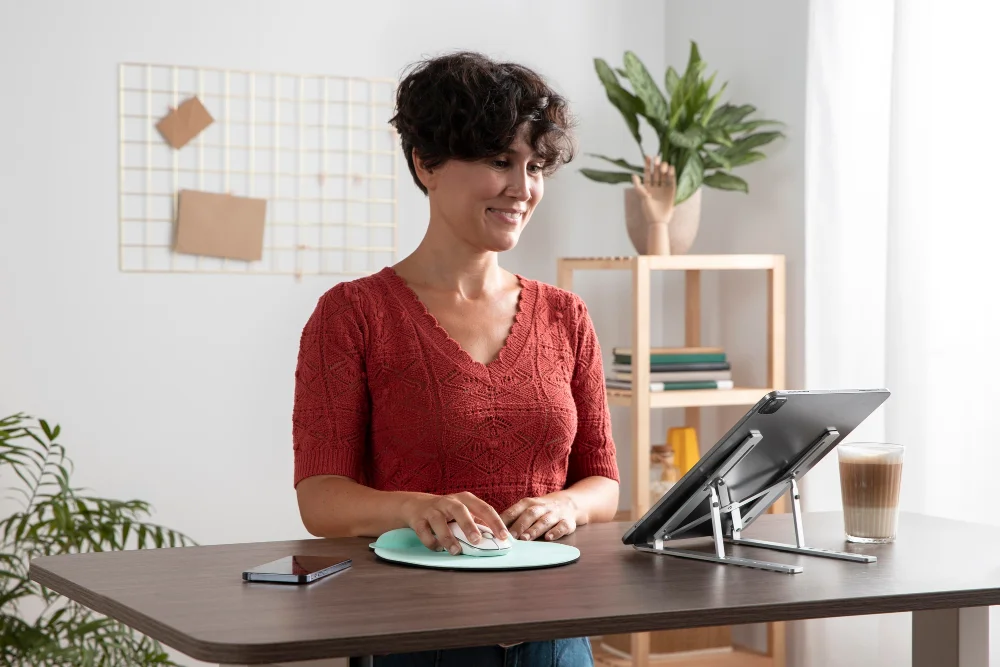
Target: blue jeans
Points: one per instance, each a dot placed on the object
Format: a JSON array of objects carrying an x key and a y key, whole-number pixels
[{"x": 558, "y": 653}]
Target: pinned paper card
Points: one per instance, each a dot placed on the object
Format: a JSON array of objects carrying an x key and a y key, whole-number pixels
[
  {"x": 184, "y": 123},
  {"x": 220, "y": 225}
]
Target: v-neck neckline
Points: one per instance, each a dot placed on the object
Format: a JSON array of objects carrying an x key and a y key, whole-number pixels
[{"x": 512, "y": 345}]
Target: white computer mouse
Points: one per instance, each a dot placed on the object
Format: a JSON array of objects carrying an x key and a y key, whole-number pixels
[{"x": 488, "y": 546}]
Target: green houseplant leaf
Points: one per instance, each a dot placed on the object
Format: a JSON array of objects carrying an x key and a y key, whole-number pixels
[
  {"x": 621, "y": 163},
  {"x": 751, "y": 141},
  {"x": 55, "y": 518},
  {"x": 692, "y": 138},
  {"x": 691, "y": 177},
  {"x": 672, "y": 80},
  {"x": 627, "y": 104},
  {"x": 654, "y": 103},
  {"x": 723, "y": 181},
  {"x": 607, "y": 176},
  {"x": 746, "y": 158},
  {"x": 702, "y": 136}
]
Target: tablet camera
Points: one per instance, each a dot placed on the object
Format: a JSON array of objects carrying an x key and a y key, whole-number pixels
[{"x": 772, "y": 406}]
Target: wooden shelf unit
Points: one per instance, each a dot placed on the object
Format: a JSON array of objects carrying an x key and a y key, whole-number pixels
[
  {"x": 641, "y": 400},
  {"x": 734, "y": 657}
]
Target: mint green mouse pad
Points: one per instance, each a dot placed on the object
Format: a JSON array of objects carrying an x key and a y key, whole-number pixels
[{"x": 403, "y": 546}]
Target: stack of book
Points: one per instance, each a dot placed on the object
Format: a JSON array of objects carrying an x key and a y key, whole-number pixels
[{"x": 674, "y": 368}]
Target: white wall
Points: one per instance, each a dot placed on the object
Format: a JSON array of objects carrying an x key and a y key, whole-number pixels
[{"x": 177, "y": 389}]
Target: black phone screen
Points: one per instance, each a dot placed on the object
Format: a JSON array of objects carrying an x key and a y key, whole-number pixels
[{"x": 297, "y": 565}]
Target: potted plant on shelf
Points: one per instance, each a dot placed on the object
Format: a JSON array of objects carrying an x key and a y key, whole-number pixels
[
  {"x": 37, "y": 626},
  {"x": 699, "y": 143}
]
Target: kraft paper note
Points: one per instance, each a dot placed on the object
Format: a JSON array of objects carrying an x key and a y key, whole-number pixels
[
  {"x": 184, "y": 123},
  {"x": 220, "y": 225}
]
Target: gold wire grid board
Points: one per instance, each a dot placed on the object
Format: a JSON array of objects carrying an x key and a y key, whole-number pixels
[{"x": 317, "y": 148}]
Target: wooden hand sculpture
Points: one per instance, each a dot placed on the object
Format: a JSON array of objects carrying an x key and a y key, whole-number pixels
[{"x": 656, "y": 192}]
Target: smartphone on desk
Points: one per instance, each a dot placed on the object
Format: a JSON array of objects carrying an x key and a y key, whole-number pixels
[{"x": 296, "y": 569}]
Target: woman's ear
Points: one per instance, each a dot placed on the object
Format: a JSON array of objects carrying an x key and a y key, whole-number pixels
[{"x": 427, "y": 175}]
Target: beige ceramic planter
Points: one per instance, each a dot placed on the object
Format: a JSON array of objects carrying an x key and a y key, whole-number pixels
[{"x": 682, "y": 229}]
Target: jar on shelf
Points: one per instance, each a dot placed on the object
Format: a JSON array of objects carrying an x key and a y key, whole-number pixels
[{"x": 663, "y": 474}]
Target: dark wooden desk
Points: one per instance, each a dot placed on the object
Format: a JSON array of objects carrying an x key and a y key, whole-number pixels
[{"x": 194, "y": 600}]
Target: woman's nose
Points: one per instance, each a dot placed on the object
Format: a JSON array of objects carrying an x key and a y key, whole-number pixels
[{"x": 519, "y": 186}]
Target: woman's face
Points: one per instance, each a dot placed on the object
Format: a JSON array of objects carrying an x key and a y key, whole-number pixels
[{"x": 486, "y": 203}]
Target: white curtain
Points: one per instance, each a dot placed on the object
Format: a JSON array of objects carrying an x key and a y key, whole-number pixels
[{"x": 902, "y": 269}]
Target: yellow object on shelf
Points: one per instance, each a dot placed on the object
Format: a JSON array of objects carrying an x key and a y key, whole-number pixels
[{"x": 683, "y": 441}]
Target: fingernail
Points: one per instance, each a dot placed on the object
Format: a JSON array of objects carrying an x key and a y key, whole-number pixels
[
  {"x": 475, "y": 538},
  {"x": 526, "y": 536},
  {"x": 454, "y": 550}
]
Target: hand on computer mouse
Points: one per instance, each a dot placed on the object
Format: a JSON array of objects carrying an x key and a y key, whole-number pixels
[
  {"x": 429, "y": 516},
  {"x": 488, "y": 545}
]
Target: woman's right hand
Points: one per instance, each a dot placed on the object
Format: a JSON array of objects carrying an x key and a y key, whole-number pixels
[{"x": 429, "y": 516}]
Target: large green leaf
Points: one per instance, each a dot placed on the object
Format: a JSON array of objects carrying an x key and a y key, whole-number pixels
[
  {"x": 751, "y": 141},
  {"x": 703, "y": 89},
  {"x": 618, "y": 162},
  {"x": 607, "y": 176},
  {"x": 665, "y": 147},
  {"x": 646, "y": 89},
  {"x": 672, "y": 80},
  {"x": 677, "y": 109},
  {"x": 715, "y": 158},
  {"x": 695, "y": 65},
  {"x": 627, "y": 104},
  {"x": 725, "y": 181},
  {"x": 606, "y": 74},
  {"x": 692, "y": 138},
  {"x": 748, "y": 126},
  {"x": 745, "y": 158},
  {"x": 690, "y": 179},
  {"x": 729, "y": 114},
  {"x": 719, "y": 136},
  {"x": 706, "y": 115}
]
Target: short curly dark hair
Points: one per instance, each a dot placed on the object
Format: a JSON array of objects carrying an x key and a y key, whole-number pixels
[{"x": 466, "y": 106}]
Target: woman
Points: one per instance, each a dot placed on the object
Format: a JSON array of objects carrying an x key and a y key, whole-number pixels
[{"x": 445, "y": 388}]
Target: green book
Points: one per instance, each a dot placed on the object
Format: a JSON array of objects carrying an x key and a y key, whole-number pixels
[
  {"x": 654, "y": 358},
  {"x": 707, "y": 384},
  {"x": 668, "y": 386}
]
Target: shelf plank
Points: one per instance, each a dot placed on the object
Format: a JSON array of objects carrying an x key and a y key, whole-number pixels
[
  {"x": 692, "y": 398},
  {"x": 675, "y": 262}
]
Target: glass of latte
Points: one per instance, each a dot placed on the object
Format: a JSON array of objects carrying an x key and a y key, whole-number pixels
[{"x": 870, "y": 477}]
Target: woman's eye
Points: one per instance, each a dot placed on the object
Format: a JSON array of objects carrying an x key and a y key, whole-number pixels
[
  {"x": 500, "y": 164},
  {"x": 535, "y": 168}
]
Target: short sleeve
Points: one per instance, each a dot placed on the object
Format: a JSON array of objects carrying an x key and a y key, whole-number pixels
[
  {"x": 331, "y": 412},
  {"x": 593, "y": 452}
]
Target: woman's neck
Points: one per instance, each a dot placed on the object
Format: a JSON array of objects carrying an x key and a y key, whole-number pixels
[{"x": 453, "y": 267}]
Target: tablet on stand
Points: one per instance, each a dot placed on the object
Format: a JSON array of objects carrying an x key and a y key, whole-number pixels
[{"x": 760, "y": 459}]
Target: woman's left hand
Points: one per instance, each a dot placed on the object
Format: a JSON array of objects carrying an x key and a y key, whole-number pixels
[{"x": 530, "y": 518}]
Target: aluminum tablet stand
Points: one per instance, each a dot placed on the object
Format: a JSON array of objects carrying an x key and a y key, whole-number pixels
[{"x": 722, "y": 503}]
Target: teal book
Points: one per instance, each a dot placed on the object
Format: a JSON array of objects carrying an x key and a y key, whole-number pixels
[
  {"x": 672, "y": 386},
  {"x": 705, "y": 384},
  {"x": 695, "y": 358}
]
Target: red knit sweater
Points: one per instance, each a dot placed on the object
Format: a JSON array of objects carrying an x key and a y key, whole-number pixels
[{"x": 383, "y": 395}]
